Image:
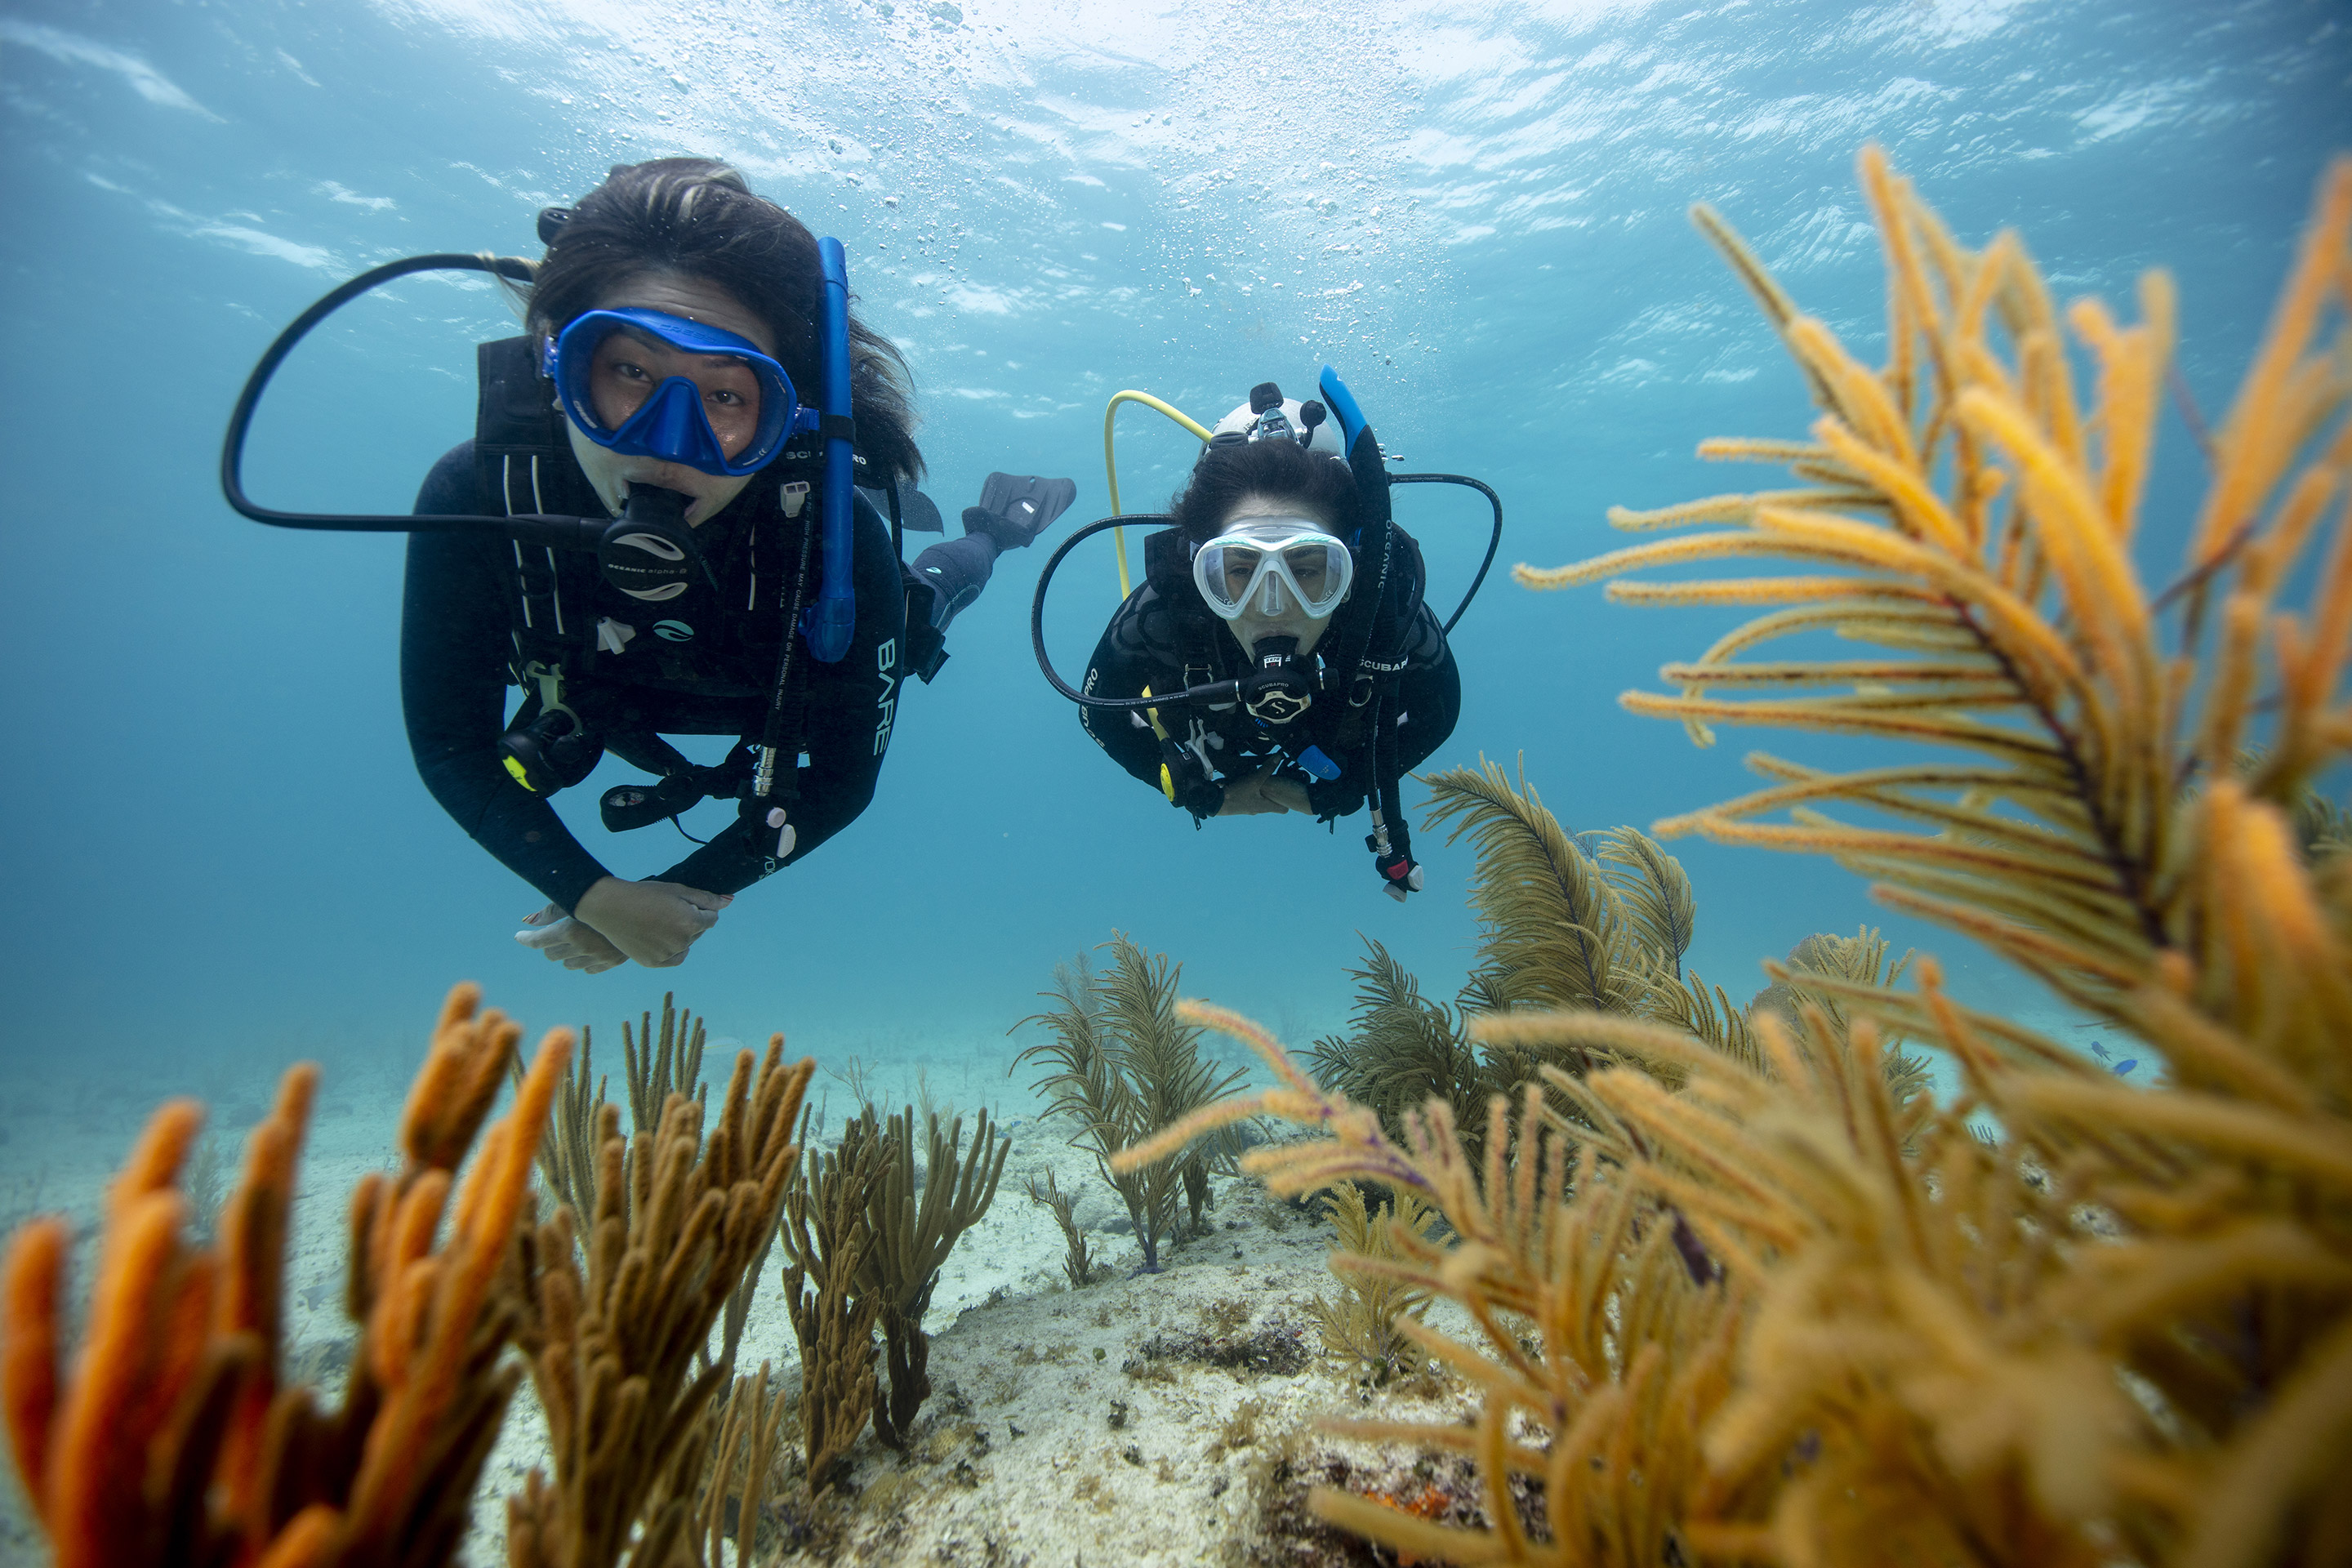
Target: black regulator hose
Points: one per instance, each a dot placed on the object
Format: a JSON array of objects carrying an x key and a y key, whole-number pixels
[
  {"x": 533, "y": 528},
  {"x": 1494, "y": 539},
  {"x": 1215, "y": 691}
]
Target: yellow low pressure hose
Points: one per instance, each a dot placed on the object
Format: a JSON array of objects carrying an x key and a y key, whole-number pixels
[
  {"x": 1118, "y": 535},
  {"x": 1110, "y": 463}
]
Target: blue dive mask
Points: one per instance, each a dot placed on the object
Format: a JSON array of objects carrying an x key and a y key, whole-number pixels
[{"x": 670, "y": 424}]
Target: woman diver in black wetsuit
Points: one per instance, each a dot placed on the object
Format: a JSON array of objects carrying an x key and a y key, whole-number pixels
[
  {"x": 659, "y": 528},
  {"x": 1278, "y": 656}
]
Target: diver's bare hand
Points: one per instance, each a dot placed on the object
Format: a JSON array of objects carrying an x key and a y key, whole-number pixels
[
  {"x": 652, "y": 922},
  {"x": 568, "y": 942},
  {"x": 1259, "y": 795}
]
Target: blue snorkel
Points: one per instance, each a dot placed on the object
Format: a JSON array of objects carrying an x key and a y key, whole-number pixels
[
  {"x": 1341, "y": 402},
  {"x": 833, "y": 619},
  {"x": 1390, "y": 839}
]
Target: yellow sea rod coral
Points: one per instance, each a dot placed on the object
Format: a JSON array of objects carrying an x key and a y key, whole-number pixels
[
  {"x": 1759, "y": 1307},
  {"x": 2128, "y": 833}
]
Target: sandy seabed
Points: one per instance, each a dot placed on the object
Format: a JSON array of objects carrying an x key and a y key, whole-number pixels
[{"x": 1145, "y": 1419}]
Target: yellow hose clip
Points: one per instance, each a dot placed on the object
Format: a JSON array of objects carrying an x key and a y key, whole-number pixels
[{"x": 1166, "y": 779}]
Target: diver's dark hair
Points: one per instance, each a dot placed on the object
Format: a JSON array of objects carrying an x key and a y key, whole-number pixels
[
  {"x": 1281, "y": 470},
  {"x": 697, "y": 217}
]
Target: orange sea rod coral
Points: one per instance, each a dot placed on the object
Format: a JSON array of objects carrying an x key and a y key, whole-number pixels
[{"x": 171, "y": 1440}]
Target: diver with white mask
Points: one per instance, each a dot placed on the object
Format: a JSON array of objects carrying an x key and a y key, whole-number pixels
[{"x": 1277, "y": 656}]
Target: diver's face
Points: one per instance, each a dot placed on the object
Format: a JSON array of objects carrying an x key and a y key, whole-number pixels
[
  {"x": 630, "y": 365},
  {"x": 1253, "y": 624}
]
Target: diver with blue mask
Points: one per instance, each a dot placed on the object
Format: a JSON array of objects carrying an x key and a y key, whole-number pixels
[
  {"x": 1277, "y": 656},
  {"x": 681, "y": 514}
]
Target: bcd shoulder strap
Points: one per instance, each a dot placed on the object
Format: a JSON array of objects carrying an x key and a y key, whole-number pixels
[
  {"x": 523, "y": 463},
  {"x": 1168, "y": 571}
]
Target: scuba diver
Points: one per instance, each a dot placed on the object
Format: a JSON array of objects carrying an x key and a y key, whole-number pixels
[
  {"x": 1278, "y": 656},
  {"x": 653, "y": 533}
]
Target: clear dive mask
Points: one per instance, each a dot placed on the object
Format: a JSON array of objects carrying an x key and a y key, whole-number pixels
[
  {"x": 670, "y": 426},
  {"x": 1270, "y": 564}
]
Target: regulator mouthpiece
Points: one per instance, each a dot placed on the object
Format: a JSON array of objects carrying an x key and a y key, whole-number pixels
[{"x": 649, "y": 553}]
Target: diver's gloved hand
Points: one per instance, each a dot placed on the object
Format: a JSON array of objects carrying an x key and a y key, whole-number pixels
[
  {"x": 1261, "y": 793},
  {"x": 1015, "y": 509},
  {"x": 651, "y": 923},
  {"x": 956, "y": 572},
  {"x": 1399, "y": 875},
  {"x": 566, "y": 941}
]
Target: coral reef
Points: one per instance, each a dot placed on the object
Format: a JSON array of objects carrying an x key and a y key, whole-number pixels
[
  {"x": 827, "y": 1243},
  {"x": 1360, "y": 1333},
  {"x": 614, "y": 1352},
  {"x": 1604, "y": 929},
  {"x": 1403, "y": 1047},
  {"x": 1076, "y": 1266},
  {"x": 174, "y": 1440},
  {"x": 915, "y": 1220},
  {"x": 1125, "y": 1064},
  {"x": 750, "y": 1440},
  {"x": 662, "y": 1064},
  {"x": 1768, "y": 1304},
  {"x": 567, "y": 1149}
]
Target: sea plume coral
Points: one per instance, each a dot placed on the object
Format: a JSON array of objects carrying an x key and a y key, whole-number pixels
[
  {"x": 1766, "y": 1305},
  {"x": 2116, "y": 836}
]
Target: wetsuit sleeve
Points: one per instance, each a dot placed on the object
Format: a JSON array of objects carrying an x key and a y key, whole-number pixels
[
  {"x": 453, "y": 653},
  {"x": 852, "y": 705},
  {"x": 1122, "y": 666}
]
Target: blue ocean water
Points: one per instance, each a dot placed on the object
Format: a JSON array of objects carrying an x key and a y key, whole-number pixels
[{"x": 216, "y": 848}]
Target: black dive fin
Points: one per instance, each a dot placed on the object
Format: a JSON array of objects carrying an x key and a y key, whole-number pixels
[
  {"x": 1015, "y": 509},
  {"x": 918, "y": 514}
]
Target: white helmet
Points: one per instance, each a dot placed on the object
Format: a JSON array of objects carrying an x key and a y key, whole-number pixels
[{"x": 1268, "y": 412}]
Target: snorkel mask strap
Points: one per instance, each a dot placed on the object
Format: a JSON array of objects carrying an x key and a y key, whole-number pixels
[{"x": 832, "y": 621}]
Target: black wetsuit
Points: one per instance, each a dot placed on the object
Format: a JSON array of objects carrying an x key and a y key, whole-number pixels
[
  {"x": 1141, "y": 647},
  {"x": 455, "y": 646}
]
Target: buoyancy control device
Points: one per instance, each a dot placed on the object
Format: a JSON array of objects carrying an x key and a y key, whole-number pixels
[{"x": 1366, "y": 641}]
